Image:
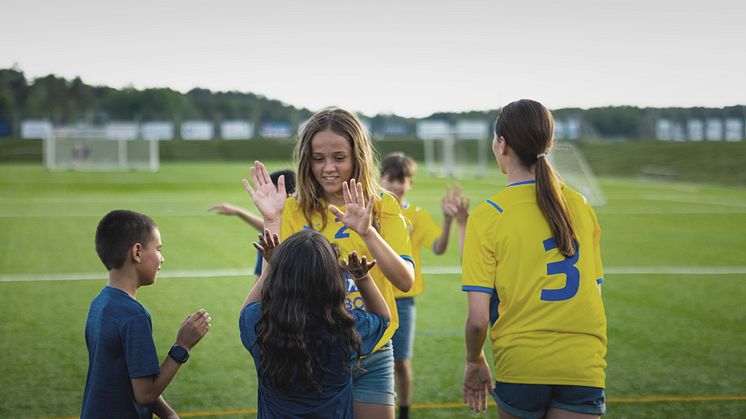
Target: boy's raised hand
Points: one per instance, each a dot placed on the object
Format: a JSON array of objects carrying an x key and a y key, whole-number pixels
[
  {"x": 194, "y": 328},
  {"x": 268, "y": 198},
  {"x": 357, "y": 215},
  {"x": 357, "y": 267},
  {"x": 267, "y": 244}
]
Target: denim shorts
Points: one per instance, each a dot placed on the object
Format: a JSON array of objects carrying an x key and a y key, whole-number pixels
[
  {"x": 403, "y": 339},
  {"x": 531, "y": 401},
  {"x": 373, "y": 378}
]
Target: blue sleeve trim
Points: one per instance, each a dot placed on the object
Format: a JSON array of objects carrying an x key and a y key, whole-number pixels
[
  {"x": 600, "y": 281},
  {"x": 497, "y": 207},
  {"x": 467, "y": 288},
  {"x": 408, "y": 259}
]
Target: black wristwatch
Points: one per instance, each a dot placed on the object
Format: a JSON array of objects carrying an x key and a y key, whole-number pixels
[{"x": 179, "y": 353}]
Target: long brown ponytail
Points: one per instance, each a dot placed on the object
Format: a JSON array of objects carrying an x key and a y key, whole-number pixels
[{"x": 528, "y": 128}]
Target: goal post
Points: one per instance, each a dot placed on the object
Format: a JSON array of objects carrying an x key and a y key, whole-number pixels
[
  {"x": 574, "y": 169},
  {"x": 457, "y": 152},
  {"x": 91, "y": 149}
]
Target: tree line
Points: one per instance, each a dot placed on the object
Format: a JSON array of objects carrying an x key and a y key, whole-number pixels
[{"x": 64, "y": 101}]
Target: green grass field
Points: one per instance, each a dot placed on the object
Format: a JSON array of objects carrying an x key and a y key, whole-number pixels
[{"x": 675, "y": 258}]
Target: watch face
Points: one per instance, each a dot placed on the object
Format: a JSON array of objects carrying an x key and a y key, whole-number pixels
[{"x": 179, "y": 354}]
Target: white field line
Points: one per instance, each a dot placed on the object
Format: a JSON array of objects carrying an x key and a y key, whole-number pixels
[{"x": 443, "y": 270}]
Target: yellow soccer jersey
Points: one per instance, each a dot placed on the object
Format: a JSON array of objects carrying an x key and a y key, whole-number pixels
[
  {"x": 424, "y": 233},
  {"x": 391, "y": 225},
  {"x": 546, "y": 312}
]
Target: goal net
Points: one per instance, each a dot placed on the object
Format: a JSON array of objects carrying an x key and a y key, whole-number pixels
[
  {"x": 570, "y": 163},
  {"x": 92, "y": 149}
]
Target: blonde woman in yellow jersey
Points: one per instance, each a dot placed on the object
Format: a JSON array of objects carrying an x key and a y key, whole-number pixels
[
  {"x": 397, "y": 173},
  {"x": 532, "y": 271},
  {"x": 337, "y": 195}
]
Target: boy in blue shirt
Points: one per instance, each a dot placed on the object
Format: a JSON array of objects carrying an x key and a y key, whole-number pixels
[{"x": 124, "y": 379}]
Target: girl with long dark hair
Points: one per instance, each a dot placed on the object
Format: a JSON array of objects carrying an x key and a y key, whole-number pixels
[
  {"x": 339, "y": 196},
  {"x": 294, "y": 324}
]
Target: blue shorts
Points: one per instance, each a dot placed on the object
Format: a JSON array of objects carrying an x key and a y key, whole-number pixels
[
  {"x": 373, "y": 378},
  {"x": 531, "y": 401},
  {"x": 403, "y": 339}
]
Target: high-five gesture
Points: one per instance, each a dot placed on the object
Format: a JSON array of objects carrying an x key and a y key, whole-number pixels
[
  {"x": 357, "y": 215},
  {"x": 267, "y": 244},
  {"x": 357, "y": 267},
  {"x": 269, "y": 200}
]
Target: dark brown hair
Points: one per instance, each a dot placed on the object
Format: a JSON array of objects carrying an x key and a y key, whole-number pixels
[
  {"x": 302, "y": 315},
  {"x": 528, "y": 128},
  {"x": 117, "y": 232},
  {"x": 398, "y": 166}
]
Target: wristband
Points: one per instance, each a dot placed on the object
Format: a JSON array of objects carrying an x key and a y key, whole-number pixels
[{"x": 179, "y": 353}]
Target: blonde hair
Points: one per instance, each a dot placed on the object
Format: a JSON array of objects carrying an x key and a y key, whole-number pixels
[
  {"x": 528, "y": 128},
  {"x": 309, "y": 192}
]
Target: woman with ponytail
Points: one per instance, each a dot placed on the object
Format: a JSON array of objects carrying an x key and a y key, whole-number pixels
[{"x": 532, "y": 272}]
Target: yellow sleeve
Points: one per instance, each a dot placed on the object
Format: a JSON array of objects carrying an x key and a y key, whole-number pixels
[
  {"x": 427, "y": 228},
  {"x": 479, "y": 261},
  {"x": 393, "y": 227}
]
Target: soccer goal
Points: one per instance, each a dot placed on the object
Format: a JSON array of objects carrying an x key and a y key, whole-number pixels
[
  {"x": 457, "y": 152},
  {"x": 572, "y": 166},
  {"x": 92, "y": 149}
]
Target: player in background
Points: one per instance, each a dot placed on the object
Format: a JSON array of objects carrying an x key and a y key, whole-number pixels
[
  {"x": 397, "y": 176},
  {"x": 124, "y": 379},
  {"x": 304, "y": 343},
  {"x": 338, "y": 195},
  {"x": 532, "y": 272},
  {"x": 251, "y": 219}
]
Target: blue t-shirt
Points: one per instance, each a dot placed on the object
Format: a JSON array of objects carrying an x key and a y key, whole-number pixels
[
  {"x": 303, "y": 402},
  {"x": 119, "y": 337}
]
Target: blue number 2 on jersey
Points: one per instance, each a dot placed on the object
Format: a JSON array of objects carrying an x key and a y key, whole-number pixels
[{"x": 565, "y": 267}]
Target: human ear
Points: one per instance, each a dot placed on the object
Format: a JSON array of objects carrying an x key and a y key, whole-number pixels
[
  {"x": 135, "y": 252},
  {"x": 502, "y": 146}
]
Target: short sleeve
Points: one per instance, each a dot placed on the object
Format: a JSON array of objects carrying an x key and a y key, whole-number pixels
[
  {"x": 429, "y": 229},
  {"x": 394, "y": 227},
  {"x": 371, "y": 327},
  {"x": 139, "y": 348},
  {"x": 247, "y": 322},
  {"x": 479, "y": 262}
]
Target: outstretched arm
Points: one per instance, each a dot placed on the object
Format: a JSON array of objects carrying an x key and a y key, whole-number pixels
[
  {"x": 358, "y": 217},
  {"x": 148, "y": 389},
  {"x": 266, "y": 246},
  {"x": 477, "y": 378},
  {"x": 268, "y": 198},
  {"x": 249, "y": 218}
]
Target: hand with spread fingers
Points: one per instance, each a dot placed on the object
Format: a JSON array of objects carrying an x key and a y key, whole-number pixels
[
  {"x": 357, "y": 267},
  {"x": 358, "y": 215},
  {"x": 267, "y": 244},
  {"x": 268, "y": 198}
]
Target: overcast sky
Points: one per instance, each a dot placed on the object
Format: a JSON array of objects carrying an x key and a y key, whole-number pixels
[{"x": 410, "y": 57}]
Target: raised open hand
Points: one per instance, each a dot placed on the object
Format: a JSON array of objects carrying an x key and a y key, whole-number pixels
[
  {"x": 357, "y": 267},
  {"x": 267, "y": 244},
  {"x": 268, "y": 198},
  {"x": 357, "y": 215}
]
